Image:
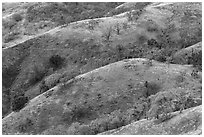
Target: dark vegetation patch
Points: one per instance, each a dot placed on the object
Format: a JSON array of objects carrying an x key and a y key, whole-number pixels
[
  {"x": 17, "y": 17},
  {"x": 66, "y": 12},
  {"x": 19, "y": 102}
]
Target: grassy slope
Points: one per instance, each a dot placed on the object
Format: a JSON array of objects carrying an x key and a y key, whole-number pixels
[
  {"x": 122, "y": 82},
  {"x": 38, "y": 18},
  {"x": 189, "y": 122},
  {"x": 30, "y": 52},
  {"x": 181, "y": 56},
  {"x": 63, "y": 40}
]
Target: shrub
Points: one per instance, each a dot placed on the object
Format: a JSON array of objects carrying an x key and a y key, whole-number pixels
[
  {"x": 17, "y": 17},
  {"x": 118, "y": 28},
  {"x": 120, "y": 52},
  {"x": 107, "y": 32},
  {"x": 43, "y": 87},
  {"x": 56, "y": 61},
  {"x": 19, "y": 103},
  {"x": 142, "y": 39},
  {"x": 157, "y": 54},
  {"x": 153, "y": 43},
  {"x": 52, "y": 80},
  {"x": 151, "y": 88}
]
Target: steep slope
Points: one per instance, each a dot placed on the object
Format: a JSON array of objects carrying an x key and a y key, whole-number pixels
[
  {"x": 97, "y": 94},
  {"x": 189, "y": 123},
  {"x": 86, "y": 45},
  {"x": 186, "y": 55}
]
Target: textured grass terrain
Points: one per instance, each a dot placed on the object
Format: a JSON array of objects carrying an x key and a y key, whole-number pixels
[
  {"x": 119, "y": 85},
  {"x": 108, "y": 57},
  {"x": 189, "y": 123}
]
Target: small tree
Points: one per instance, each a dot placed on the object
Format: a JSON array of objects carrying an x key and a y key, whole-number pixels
[
  {"x": 56, "y": 61},
  {"x": 17, "y": 17},
  {"x": 169, "y": 60},
  {"x": 108, "y": 32},
  {"x": 117, "y": 28},
  {"x": 120, "y": 52}
]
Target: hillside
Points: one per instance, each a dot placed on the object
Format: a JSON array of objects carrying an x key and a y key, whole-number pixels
[
  {"x": 24, "y": 20},
  {"x": 106, "y": 63},
  {"x": 180, "y": 124},
  {"x": 186, "y": 55},
  {"x": 93, "y": 95}
]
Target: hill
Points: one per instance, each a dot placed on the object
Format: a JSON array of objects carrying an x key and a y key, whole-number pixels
[
  {"x": 114, "y": 89},
  {"x": 189, "y": 55},
  {"x": 24, "y": 20},
  {"x": 92, "y": 43},
  {"x": 86, "y": 68},
  {"x": 180, "y": 124}
]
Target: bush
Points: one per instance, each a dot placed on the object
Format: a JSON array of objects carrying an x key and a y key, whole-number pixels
[
  {"x": 17, "y": 17},
  {"x": 56, "y": 61},
  {"x": 157, "y": 54},
  {"x": 51, "y": 81},
  {"x": 19, "y": 103},
  {"x": 43, "y": 87},
  {"x": 118, "y": 28},
  {"x": 151, "y": 88},
  {"x": 153, "y": 43},
  {"x": 107, "y": 32}
]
